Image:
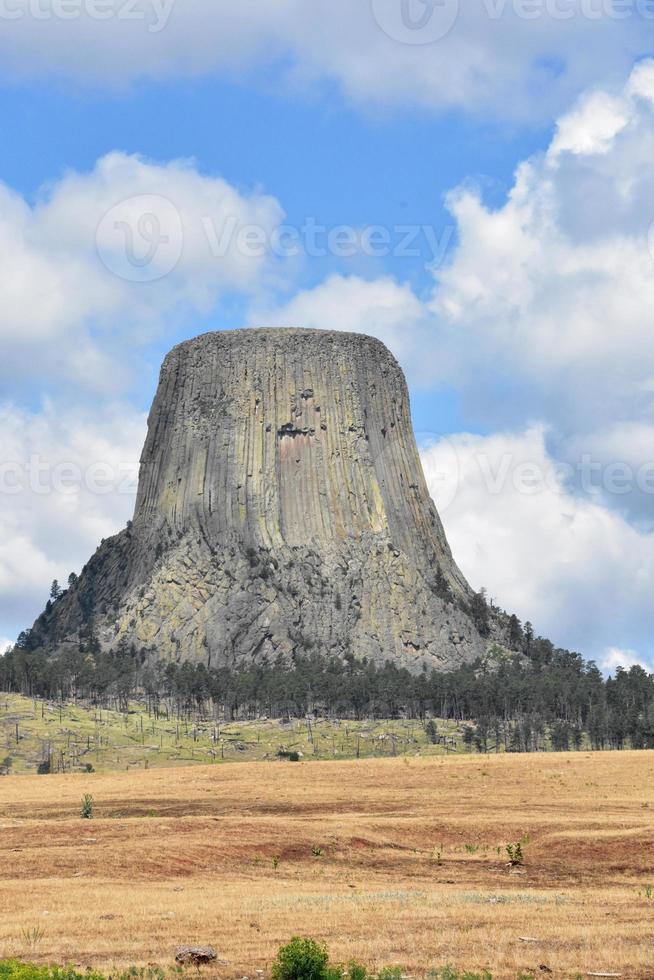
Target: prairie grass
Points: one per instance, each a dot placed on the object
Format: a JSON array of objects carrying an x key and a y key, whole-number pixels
[{"x": 224, "y": 855}]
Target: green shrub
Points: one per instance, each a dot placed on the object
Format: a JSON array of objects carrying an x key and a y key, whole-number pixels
[
  {"x": 333, "y": 973},
  {"x": 44, "y": 768},
  {"x": 86, "y": 809},
  {"x": 301, "y": 959},
  {"x": 390, "y": 973},
  {"x": 356, "y": 970}
]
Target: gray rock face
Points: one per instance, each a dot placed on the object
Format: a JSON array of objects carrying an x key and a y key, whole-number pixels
[{"x": 281, "y": 506}]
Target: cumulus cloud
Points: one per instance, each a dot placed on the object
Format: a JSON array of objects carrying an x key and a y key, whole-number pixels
[
  {"x": 66, "y": 481},
  {"x": 614, "y": 658},
  {"x": 559, "y": 281},
  {"x": 578, "y": 571},
  {"x": 513, "y": 57},
  {"x": 117, "y": 253},
  {"x": 555, "y": 289}
]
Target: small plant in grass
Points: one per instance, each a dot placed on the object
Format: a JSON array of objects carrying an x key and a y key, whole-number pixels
[
  {"x": 275, "y": 862},
  {"x": 472, "y": 848},
  {"x": 86, "y": 809},
  {"x": 301, "y": 959},
  {"x": 316, "y": 850},
  {"x": 648, "y": 891},
  {"x": 516, "y": 856},
  {"x": 32, "y": 936}
]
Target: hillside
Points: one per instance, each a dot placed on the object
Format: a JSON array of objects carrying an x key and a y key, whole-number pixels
[{"x": 75, "y": 736}]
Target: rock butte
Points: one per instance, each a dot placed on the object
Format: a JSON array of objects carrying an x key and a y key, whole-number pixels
[{"x": 281, "y": 507}]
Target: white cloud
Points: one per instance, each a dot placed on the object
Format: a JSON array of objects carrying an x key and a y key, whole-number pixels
[
  {"x": 579, "y": 572},
  {"x": 66, "y": 481},
  {"x": 591, "y": 127},
  {"x": 512, "y": 57},
  {"x": 545, "y": 309},
  {"x": 116, "y": 253},
  {"x": 5, "y": 645},
  {"x": 614, "y": 657},
  {"x": 556, "y": 287}
]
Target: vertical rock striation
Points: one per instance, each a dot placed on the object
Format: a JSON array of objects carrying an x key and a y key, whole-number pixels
[{"x": 281, "y": 506}]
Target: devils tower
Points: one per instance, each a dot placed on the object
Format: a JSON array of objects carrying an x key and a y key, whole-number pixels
[{"x": 281, "y": 506}]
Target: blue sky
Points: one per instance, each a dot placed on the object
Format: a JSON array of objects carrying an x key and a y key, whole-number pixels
[{"x": 512, "y": 151}]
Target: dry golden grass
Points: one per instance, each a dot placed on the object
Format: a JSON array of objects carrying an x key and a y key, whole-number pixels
[{"x": 182, "y": 856}]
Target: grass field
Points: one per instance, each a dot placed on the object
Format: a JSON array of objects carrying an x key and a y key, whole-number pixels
[
  {"x": 394, "y": 861},
  {"x": 74, "y": 736}
]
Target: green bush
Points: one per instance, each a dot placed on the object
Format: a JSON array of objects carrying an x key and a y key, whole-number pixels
[
  {"x": 301, "y": 959},
  {"x": 333, "y": 973},
  {"x": 357, "y": 971}
]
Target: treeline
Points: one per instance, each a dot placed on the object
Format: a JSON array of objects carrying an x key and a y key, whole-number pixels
[{"x": 543, "y": 698}]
